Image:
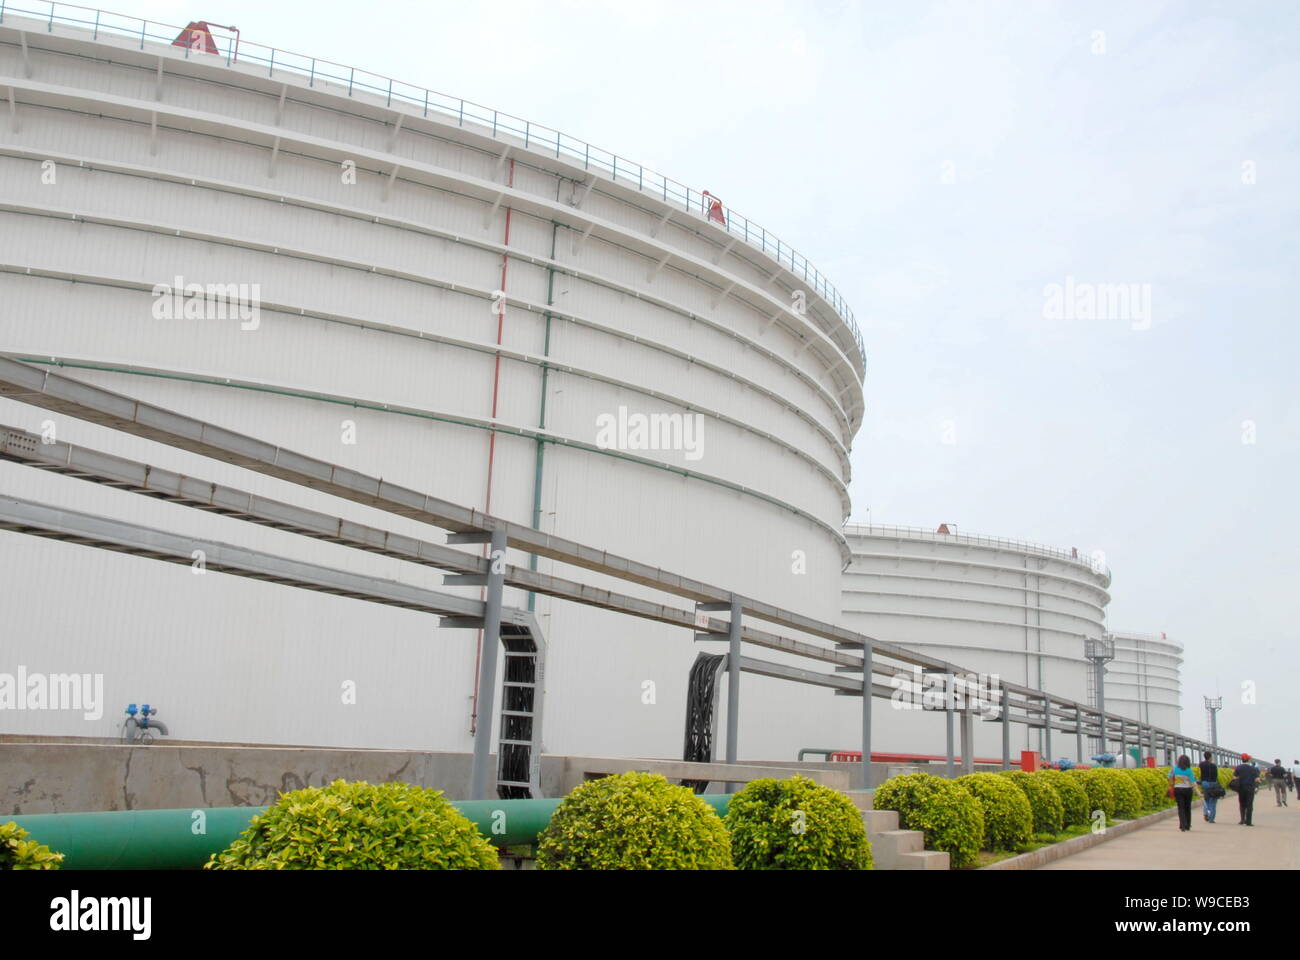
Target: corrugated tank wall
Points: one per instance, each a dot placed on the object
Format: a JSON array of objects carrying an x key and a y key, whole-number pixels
[
  {"x": 374, "y": 347},
  {"x": 1144, "y": 681},
  {"x": 1017, "y": 611}
]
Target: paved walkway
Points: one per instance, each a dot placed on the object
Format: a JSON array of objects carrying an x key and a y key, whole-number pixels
[{"x": 1272, "y": 843}]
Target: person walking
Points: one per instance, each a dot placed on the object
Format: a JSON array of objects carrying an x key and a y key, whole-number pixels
[
  {"x": 1295, "y": 778},
  {"x": 1277, "y": 777},
  {"x": 1245, "y": 776},
  {"x": 1209, "y": 775},
  {"x": 1181, "y": 781}
]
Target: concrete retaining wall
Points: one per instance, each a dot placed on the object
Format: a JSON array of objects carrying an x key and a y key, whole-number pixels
[{"x": 75, "y": 777}]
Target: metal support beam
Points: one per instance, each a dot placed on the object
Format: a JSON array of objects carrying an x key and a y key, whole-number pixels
[
  {"x": 1047, "y": 729},
  {"x": 723, "y": 251},
  {"x": 487, "y": 673},
  {"x": 13, "y": 112},
  {"x": 649, "y": 277},
  {"x": 586, "y": 192},
  {"x": 725, "y": 293},
  {"x": 279, "y": 107},
  {"x": 1006, "y": 736},
  {"x": 948, "y": 769},
  {"x": 866, "y": 717},
  {"x": 1078, "y": 731},
  {"x": 275, "y": 154},
  {"x": 733, "y": 684},
  {"x": 207, "y": 556},
  {"x": 388, "y": 183},
  {"x": 654, "y": 231},
  {"x": 158, "y": 83},
  {"x": 967, "y": 719},
  {"x": 27, "y": 60},
  {"x": 577, "y": 244},
  {"x": 492, "y": 212}
]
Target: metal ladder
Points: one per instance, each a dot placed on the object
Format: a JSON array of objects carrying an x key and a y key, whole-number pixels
[{"x": 519, "y": 747}]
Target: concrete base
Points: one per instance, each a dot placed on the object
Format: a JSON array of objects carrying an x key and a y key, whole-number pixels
[{"x": 56, "y": 777}]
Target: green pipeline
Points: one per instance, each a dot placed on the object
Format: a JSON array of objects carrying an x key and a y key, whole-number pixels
[{"x": 185, "y": 839}]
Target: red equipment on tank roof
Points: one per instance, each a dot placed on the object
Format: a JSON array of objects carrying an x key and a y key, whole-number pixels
[
  {"x": 715, "y": 209},
  {"x": 197, "y": 36}
]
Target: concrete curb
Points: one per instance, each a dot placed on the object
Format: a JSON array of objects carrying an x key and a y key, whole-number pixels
[{"x": 1057, "y": 851}]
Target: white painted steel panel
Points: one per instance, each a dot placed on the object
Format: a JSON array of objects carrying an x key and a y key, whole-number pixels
[{"x": 231, "y": 659}]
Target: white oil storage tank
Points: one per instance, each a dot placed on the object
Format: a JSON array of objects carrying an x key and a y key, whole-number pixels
[
  {"x": 1144, "y": 681},
  {"x": 1014, "y": 610},
  {"x": 415, "y": 287}
]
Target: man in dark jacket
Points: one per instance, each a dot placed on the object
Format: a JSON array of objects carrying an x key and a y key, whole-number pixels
[
  {"x": 1209, "y": 777},
  {"x": 1277, "y": 777},
  {"x": 1246, "y": 775}
]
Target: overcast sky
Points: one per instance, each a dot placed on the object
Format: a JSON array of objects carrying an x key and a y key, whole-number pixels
[{"x": 944, "y": 164}]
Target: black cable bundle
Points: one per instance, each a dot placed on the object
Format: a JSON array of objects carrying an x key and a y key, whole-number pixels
[{"x": 701, "y": 694}]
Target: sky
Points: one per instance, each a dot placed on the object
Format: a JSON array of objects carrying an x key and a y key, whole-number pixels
[{"x": 949, "y": 166}]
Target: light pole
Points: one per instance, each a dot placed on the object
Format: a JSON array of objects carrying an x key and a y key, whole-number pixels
[
  {"x": 1099, "y": 651},
  {"x": 1213, "y": 705}
]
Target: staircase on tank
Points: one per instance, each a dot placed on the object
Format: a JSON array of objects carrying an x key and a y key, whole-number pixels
[{"x": 892, "y": 848}]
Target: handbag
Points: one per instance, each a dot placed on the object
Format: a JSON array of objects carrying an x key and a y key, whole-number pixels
[
  {"x": 1235, "y": 784},
  {"x": 1214, "y": 791},
  {"x": 1170, "y": 792}
]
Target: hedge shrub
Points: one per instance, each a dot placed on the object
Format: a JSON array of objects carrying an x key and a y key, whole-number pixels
[
  {"x": 948, "y": 814},
  {"x": 1074, "y": 799},
  {"x": 1152, "y": 787},
  {"x": 359, "y": 826},
  {"x": 1129, "y": 801},
  {"x": 1044, "y": 801},
  {"x": 19, "y": 853},
  {"x": 1100, "y": 795},
  {"x": 796, "y": 824},
  {"x": 634, "y": 821},
  {"x": 1008, "y": 819}
]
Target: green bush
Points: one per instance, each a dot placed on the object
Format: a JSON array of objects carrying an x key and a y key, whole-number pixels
[
  {"x": 19, "y": 853},
  {"x": 634, "y": 821},
  {"x": 359, "y": 826},
  {"x": 1146, "y": 791},
  {"x": 1008, "y": 819},
  {"x": 1074, "y": 799},
  {"x": 796, "y": 824},
  {"x": 1044, "y": 801},
  {"x": 1225, "y": 776},
  {"x": 1128, "y": 797},
  {"x": 1152, "y": 786},
  {"x": 1100, "y": 795},
  {"x": 948, "y": 814}
]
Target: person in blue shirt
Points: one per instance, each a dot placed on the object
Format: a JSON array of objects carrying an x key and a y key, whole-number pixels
[
  {"x": 1208, "y": 772},
  {"x": 1183, "y": 779}
]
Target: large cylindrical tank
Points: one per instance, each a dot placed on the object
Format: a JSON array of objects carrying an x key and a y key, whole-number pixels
[
  {"x": 1144, "y": 680},
  {"x": 1017, "y": 611},
  {"x": 455, "y": 299}
]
